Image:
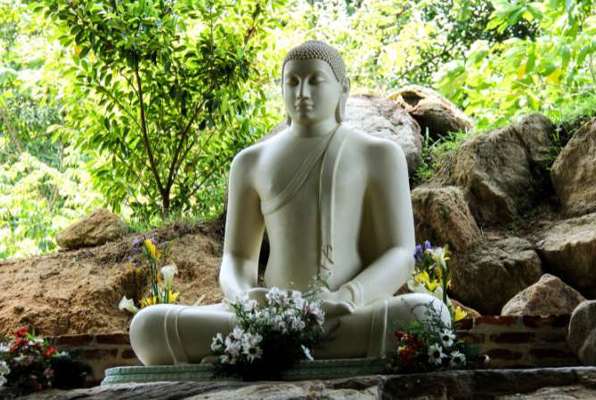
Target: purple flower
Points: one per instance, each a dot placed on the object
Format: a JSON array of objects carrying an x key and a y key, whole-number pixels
[
  {"x": 427, "y": 245},
  {"x": 419, "y": 254}
]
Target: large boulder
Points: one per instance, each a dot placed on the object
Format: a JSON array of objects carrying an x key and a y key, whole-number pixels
[
  {"x": 574, "y": 172},
  {"x": 582, "y": 332},
  {"x": 568, "y": 249},
  {"x": 502, "y": 172},
  {"x": 98, "y": 228},
  {"x": 493, "y": 272},
  {"x": 548, "y": 296},
  {"x": 432, "y": 111},
  {"x": 381, "y": 117},
  {"x": 442, "y": 216}
]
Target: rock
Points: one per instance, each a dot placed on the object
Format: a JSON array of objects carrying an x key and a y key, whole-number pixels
[
  {"x": 442, "y": 216},
  {"x": 383, "y": 118},
  {"x": 549, "y": 296},
  {"x": 432, "y": 111},
  {"x": 582, "y": 332},
  {"x": 98, "y": 228},
  {"x": 502, "y": 172},
  {"x": 573, "y": 172},
  {"x": 493, "y": 272},
  {"x": 537, "y": 383},
  {"x": 568, "y": 249}
]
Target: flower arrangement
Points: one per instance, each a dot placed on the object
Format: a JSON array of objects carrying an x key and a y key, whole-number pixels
[
  {"x": 29, "y": 363},
  {"x": 432, "y": 275},
  {"x": 269, "y": 337},
  {"x": 431, "y": 345},
  {"x": 161, "y": 283}
]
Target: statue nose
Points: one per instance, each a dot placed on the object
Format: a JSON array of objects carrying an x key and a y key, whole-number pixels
[{"x": 304, "y": 90}]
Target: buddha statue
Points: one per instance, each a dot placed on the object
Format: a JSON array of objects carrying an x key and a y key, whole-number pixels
[{"x": 335, "y": 204}]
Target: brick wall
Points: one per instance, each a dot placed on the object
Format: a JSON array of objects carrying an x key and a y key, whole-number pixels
[
  {"x": 511, "y": 342},
  {"x": 515, "y": 342}
]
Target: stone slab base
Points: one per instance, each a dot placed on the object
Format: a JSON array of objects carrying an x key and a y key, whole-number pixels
[{"x": 304, "y": 370}]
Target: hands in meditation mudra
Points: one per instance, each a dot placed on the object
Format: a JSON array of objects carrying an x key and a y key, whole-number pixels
[{"x": 335, "y": 203}]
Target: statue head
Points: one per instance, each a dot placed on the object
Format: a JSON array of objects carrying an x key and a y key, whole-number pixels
[{"x": 314, "y": 69}]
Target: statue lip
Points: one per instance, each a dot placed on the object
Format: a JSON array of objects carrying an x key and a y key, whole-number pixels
[{"x": 304, "y": 104}]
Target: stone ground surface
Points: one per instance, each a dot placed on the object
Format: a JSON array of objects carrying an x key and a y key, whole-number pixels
[{"x": 544, "y": 383}]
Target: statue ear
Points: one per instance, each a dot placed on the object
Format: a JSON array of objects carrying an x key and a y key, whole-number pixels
[{"x": 340, "y": 111}]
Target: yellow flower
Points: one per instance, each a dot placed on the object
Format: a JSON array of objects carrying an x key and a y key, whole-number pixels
[
  {"x": 424, "y": 279},
  {"x": 148, "y": 301},
  {"x": 173, "y": 296},
  {"x": 459, "y": 313},
  {"x": 151, "y": 249}
]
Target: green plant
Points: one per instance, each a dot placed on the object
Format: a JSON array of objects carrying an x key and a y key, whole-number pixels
[{"x": 171, "y": 89}]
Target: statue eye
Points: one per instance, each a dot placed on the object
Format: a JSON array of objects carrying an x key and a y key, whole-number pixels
[
  {"x": 315, "y": 80},
  {"x": 292, "y": 81}
]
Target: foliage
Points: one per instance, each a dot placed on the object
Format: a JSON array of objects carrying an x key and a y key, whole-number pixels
[
  {"x": 28, "y": 363},
  {"x": 269, "y": 337},
  {"x": 496, "y": 82},
  {"x": 161, "y": 289},
  {"x": 42, "y": 188},
  {"x": 430, "y": 345},
  {"x": 163, "y": 78}
]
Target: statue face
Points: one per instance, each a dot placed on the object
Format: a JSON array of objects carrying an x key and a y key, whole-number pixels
[{"x": 310, "y": 90}]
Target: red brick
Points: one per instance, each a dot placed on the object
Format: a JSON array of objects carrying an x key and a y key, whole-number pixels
[
  {"x": 464, "y": 324},
  {"x": 553, "y": 337},
  {"x": 128, "y": 354},
  {"x": 496, "y": 320},
  {"x": 469, "y": 337},
  {"x": 551, "y": 353},
  {"x": 97, "y": 354},
  {"x": 73, "y": 340},
  {"x": 116, "y": 338},
  {"x": 504, "y": 354},
  {"x": 553, "y": 321},
  {"x": 512, "y": 337}
]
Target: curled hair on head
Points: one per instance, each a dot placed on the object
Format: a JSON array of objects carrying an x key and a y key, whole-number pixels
[{"x": 318, "y": 50}]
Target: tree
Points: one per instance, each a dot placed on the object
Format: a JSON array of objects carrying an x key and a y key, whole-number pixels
[{"x": 170, "y": 88}]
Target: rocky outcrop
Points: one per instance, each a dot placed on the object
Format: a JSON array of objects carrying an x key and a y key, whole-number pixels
[
  {"x": 582, "y": 332},
  {"x": 98, "y": 228},
  {"x": 501, "y": 172},
  {"x": 442, "y": 216},
  {"x": 549, "y": 296},
  {"x": 527, "y": 384},
  {"x": 78, "y": 292},
  {"x": 492, "y": 273},
  {"x": 432, "y": 111},
  {"x": 574, "y": 172},
  {"x": 568, "y": 249},
  {"x": 383, "y": 118}
]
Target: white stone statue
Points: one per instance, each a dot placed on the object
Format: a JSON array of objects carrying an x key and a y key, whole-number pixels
[{"x": 335, "y": 203}]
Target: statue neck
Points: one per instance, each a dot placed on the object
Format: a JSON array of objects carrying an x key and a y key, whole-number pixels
[{"x": 318, "y": 129}]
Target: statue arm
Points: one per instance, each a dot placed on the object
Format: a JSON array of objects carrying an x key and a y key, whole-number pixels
[
  {"x": 391, "y": 206},
  {"x": 244, "y": 229}
]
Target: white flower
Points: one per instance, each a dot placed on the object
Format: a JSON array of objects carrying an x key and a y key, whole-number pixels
[
  {"x": 3, "y": 380},
  {"x": 4, "y": 369},
  {"x": 306, "y": 352},
  {"x": 298, "y": 300},
  {"x": 447, "y": 337},
  {"x": 279, "y": 324},
  {"x": 233, "y": 347},
  {"x": 457, "y": 359},
  {"x": 315, "y": 310},
  {"x": 217, "y": 343},
  {"x": 250, "y": 340},
  {"x": 435, "y": 354},
  {"x": 4, "y": 348},
  {"x": 237, "y": 333},
  {"x": 168, "y": 273},
  {"x": 278, "y": 297},
  {"x": 128, "y": 305}
]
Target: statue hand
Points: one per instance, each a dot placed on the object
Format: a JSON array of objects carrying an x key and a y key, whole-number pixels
[
  {"x": 336, "y": 308},
  {"x": 258, "y": 294}
]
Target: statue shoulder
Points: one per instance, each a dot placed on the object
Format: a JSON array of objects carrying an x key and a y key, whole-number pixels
[{"x": 378, "y": 150}]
